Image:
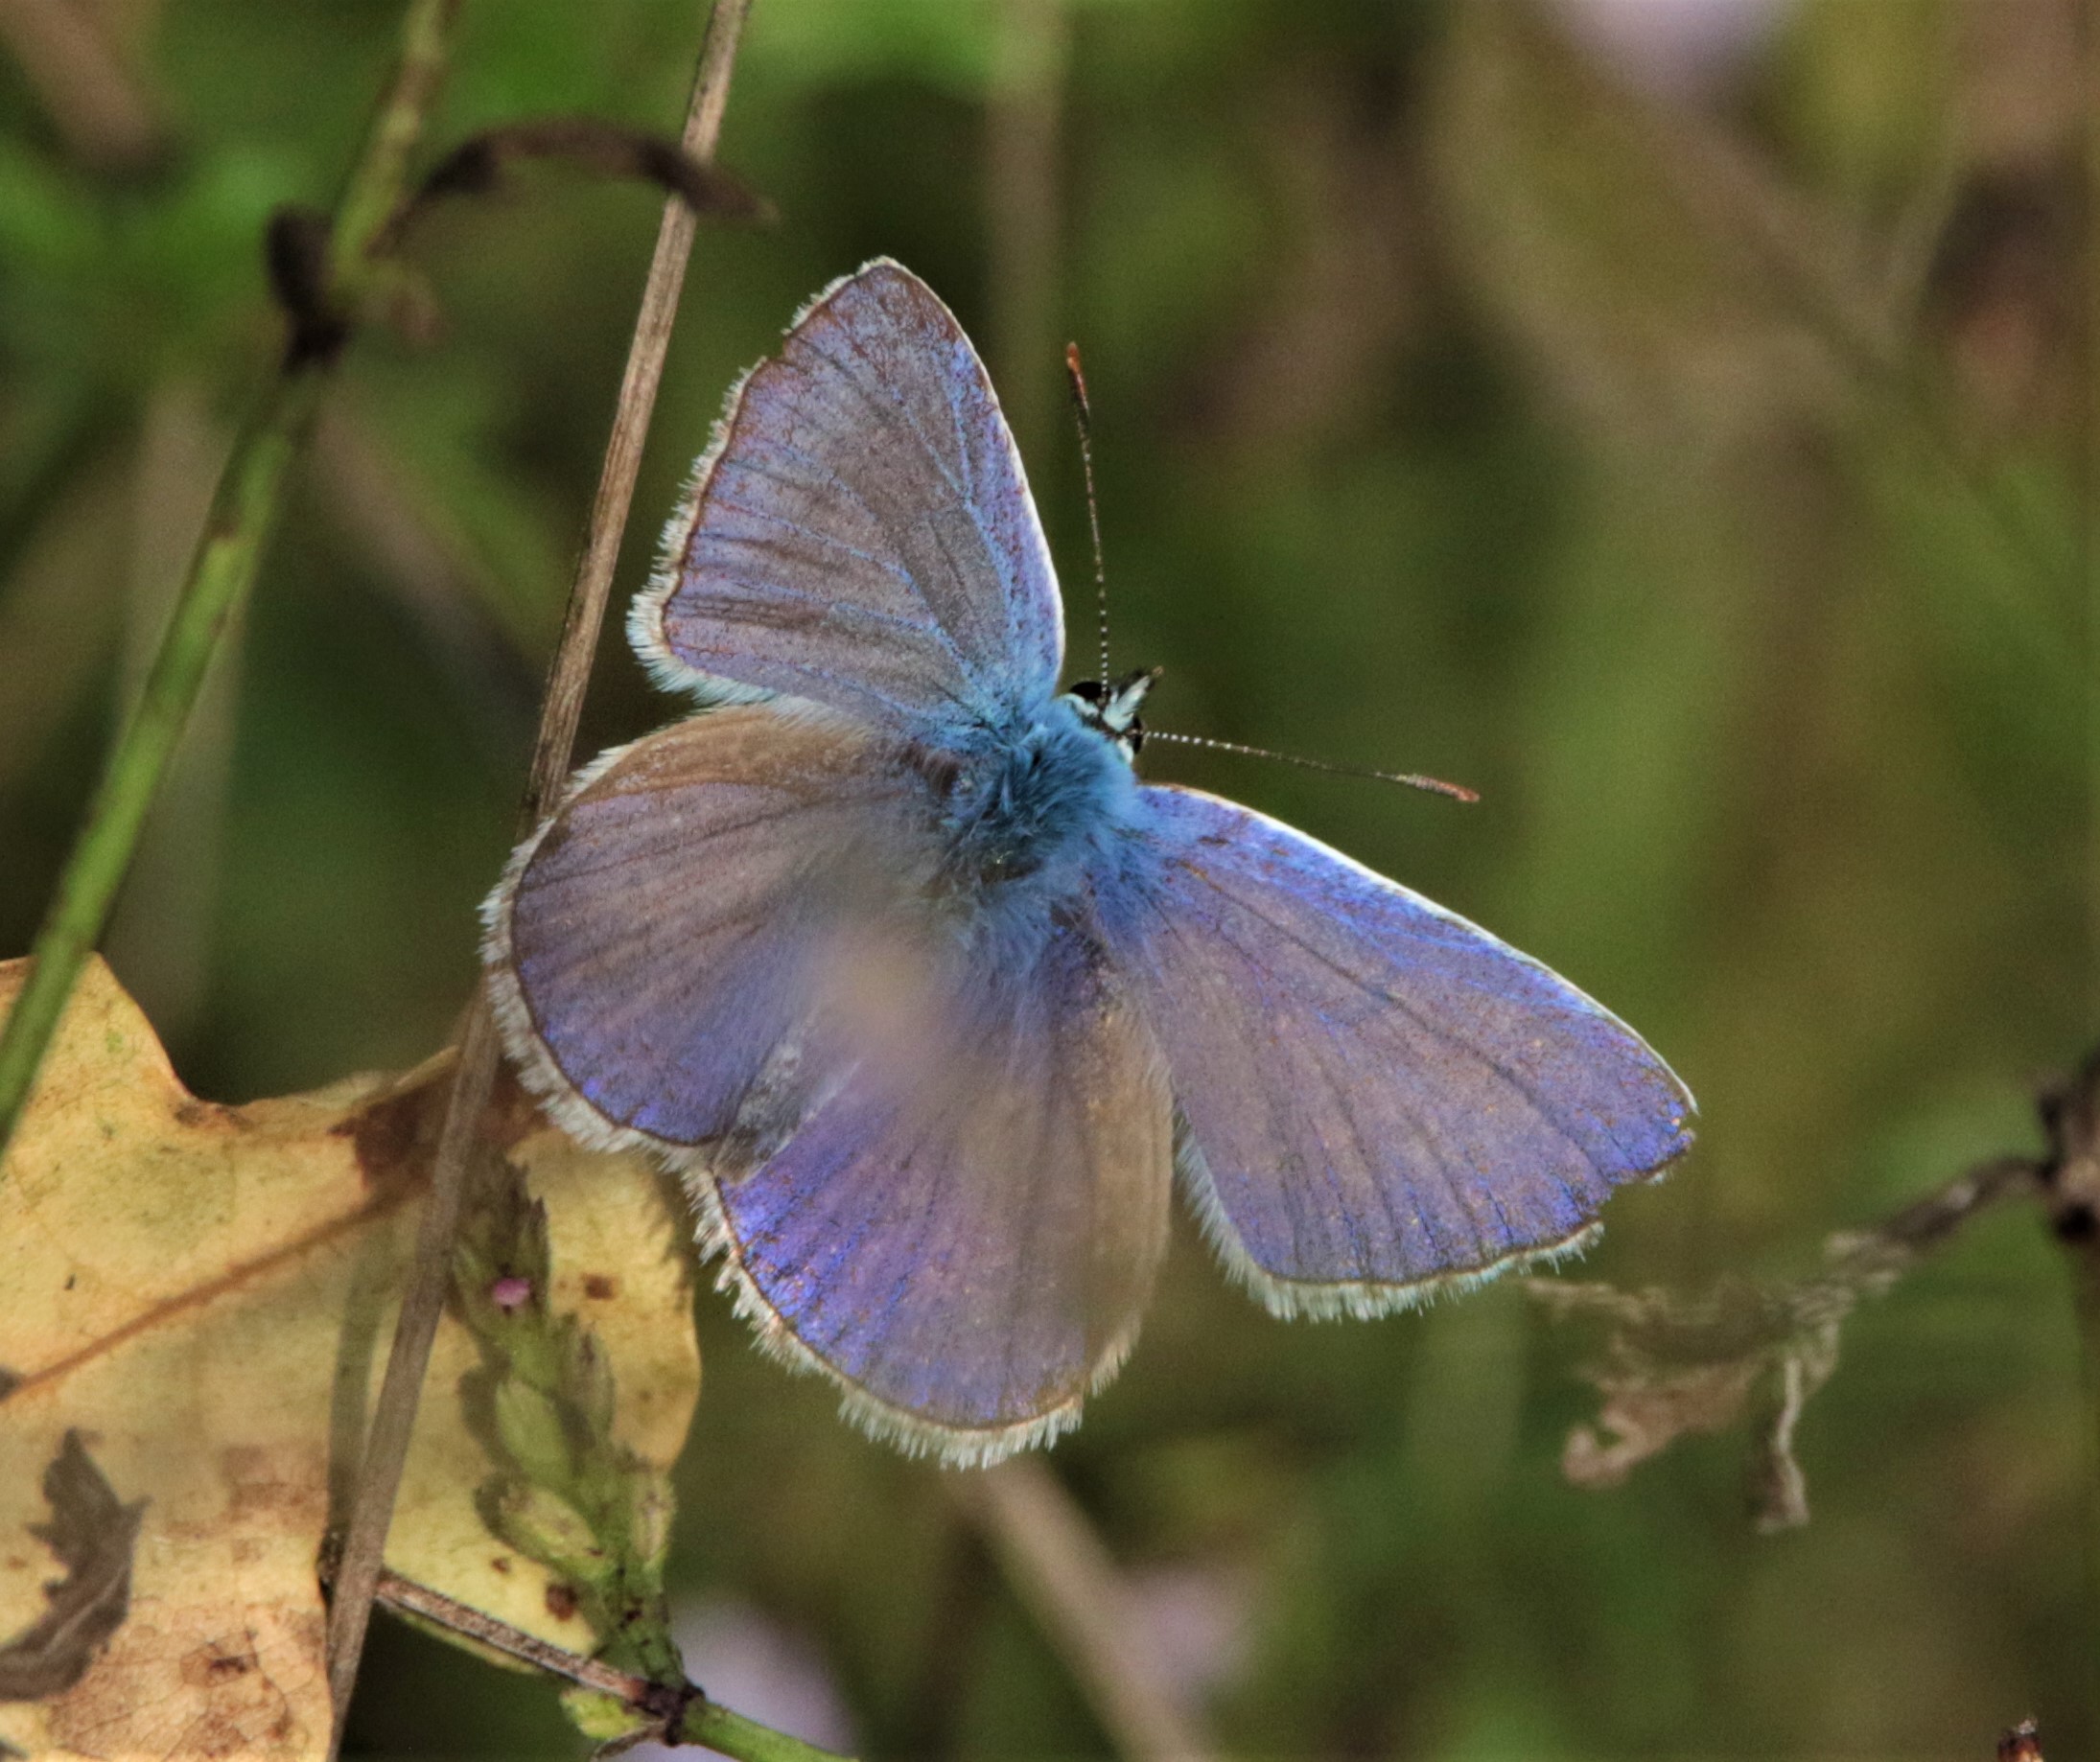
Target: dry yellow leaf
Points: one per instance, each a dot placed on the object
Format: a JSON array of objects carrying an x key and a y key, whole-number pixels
[{"x": 206, "y": 1294}]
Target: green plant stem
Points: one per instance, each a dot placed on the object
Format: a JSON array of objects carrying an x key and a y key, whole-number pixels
[
  {"x": 244, "y": 509},
  {"x": 379, "y": 179},
  {"x": 703, "y": 1721},
  {"x": 713, "y": 1725}
]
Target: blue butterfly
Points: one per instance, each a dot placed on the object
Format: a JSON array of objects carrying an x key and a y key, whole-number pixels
[{"x": 931, "y": 1002}]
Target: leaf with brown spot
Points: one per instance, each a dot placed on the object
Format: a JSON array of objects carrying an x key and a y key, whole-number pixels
[{"x": 206, "y": 1292}]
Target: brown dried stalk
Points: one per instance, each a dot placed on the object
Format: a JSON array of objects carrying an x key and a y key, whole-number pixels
[{"x": 393, "y": 1418}]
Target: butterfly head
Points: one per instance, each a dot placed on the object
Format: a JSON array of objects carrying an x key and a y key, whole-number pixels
[{"x": 1111, "y": 708}]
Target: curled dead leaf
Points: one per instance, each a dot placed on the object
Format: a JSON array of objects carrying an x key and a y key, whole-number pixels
[{"x": 1675, "y": 1363}]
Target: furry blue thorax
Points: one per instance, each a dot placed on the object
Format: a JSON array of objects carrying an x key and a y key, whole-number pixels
[{"x": 1027, "y": 818}]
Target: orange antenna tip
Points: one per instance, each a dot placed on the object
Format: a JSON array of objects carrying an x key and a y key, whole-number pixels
[{"x": 1077, "y": 374}]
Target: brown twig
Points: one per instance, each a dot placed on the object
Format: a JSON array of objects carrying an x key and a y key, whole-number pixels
[
  {"x": 409, "y": 1598},
  {"x": 394, "y": 1419},
  {"x": 1061, "y": 1571},
  {"x": 644, "y": 372},
  {"x": 385, "y": 1451},
  {"x": 479, "y": 165}
]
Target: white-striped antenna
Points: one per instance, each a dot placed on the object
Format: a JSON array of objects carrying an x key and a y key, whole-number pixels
[
  {"x": 1435, "y": 786},
  {"x": 1085, "y": 414}
]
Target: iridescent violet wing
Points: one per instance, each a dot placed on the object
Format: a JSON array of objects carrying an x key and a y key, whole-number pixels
[
  {"x": 861, "y": 532},
  {"x": 651, "y": 948},
  {"x": 1378, "y": 1100},
  {"x": 964, "y": 1235}
]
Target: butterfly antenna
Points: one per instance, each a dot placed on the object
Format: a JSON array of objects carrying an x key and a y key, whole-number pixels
[
  {"x": 1435, "y": 786},
  {"x": 1083, "y": 412}
]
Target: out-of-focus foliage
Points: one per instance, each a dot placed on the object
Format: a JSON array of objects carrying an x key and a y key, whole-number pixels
[{"x": 1694, "y": 471}]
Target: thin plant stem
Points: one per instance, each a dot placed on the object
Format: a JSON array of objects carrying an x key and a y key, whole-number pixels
[
  {"x": 243, "y": 510},
  {"x": 407, "y": 1597},
  {"x": 242, "y": 514},
  {"x": 690, "y": 1716},
  {"x": 713, "y": 1727},
  {"x": 1062, "y": 1571},
  {"x": 2087, "y": 1255},
  {"x": 394, "y": 1419},
  {"x": 555, "y": 751}
]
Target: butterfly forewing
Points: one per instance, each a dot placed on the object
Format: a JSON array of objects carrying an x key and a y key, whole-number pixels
[
  {"x": 1378, "y": 1098},
  {"x": 862, "y": 534}
]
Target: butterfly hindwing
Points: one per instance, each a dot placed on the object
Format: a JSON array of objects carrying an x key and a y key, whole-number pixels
[
  {"x": 861, "y": 534},
  {"x": 1377, "y": 1098},
  {"x": 964, "y": 1235}
]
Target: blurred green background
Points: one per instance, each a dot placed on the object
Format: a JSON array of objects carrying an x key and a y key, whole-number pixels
[{"x": 1666, "y": 416}]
